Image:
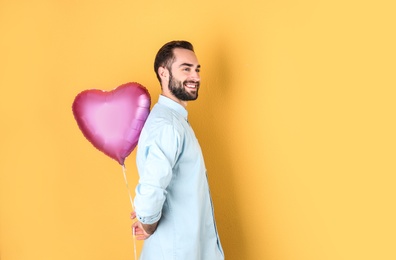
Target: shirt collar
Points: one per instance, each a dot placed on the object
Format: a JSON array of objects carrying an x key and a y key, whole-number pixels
[{"x": 173, "y": 105}]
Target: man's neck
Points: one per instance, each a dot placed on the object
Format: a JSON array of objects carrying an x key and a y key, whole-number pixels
[{"x": 170, "y": 96}]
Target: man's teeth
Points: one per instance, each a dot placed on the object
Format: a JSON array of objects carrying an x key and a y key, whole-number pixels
[{"x": 191, "y": 85}]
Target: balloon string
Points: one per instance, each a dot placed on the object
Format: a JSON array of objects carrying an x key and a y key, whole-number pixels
[
  {"x": 133, "y": 208},
  {"x": 126, "y": 182}
]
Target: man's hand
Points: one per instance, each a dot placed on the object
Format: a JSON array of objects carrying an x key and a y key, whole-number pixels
[{"x": 142, "y": 231}]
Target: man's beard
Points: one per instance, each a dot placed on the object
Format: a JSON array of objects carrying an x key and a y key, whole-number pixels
[{"x": 178, "y": 90}]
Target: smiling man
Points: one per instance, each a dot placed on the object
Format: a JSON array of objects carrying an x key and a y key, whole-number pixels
[{"x": 173, "y": 205}]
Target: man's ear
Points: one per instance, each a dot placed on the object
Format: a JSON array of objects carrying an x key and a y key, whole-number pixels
[{"x": 163, "y": 73}]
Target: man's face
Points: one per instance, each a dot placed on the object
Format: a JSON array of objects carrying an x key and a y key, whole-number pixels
[{"x": 184, "y": 75}]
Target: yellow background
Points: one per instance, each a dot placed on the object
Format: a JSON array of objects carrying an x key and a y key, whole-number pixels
[{"x": 296, "y": 118}]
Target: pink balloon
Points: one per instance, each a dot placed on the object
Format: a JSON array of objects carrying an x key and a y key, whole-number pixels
[{"x": 112, "y": 121}]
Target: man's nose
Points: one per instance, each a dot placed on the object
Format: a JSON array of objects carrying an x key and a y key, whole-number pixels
[{"x": 195, "y": 76}]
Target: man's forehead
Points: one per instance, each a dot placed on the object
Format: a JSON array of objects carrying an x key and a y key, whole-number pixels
[{"x": 185, "y": 56}]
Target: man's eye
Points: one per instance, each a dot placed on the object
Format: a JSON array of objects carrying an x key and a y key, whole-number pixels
[
  {"x": 197, "y": 70},
  {"x": 187, "y": 69}
]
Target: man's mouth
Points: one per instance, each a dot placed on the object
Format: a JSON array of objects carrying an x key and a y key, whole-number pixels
[{"x": 191, "y": 85}]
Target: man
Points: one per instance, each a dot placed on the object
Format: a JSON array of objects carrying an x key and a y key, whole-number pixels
[{"x": 173, "y": 206}]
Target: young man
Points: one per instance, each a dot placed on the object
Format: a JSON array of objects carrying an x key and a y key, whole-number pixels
[{"x": 173, "y": 205}]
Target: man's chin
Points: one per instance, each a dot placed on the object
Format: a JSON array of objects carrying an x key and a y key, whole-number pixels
[
  {"x": 191, "y": 95},
  {"x": 191, "y": 98},
  {"x": 186, "y": 95}
]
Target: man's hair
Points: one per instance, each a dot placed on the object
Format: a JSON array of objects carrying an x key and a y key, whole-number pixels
[{"x": 165, "y": 56}]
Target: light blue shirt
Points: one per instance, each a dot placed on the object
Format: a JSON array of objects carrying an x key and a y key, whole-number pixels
[{"x": 173, "y": 189}]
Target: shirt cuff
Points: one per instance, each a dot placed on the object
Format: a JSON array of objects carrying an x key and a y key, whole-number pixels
[{"x": 150, "y": 219}]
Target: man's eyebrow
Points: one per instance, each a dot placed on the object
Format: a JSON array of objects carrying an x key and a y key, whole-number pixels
[{"x": 189, "y": 65}]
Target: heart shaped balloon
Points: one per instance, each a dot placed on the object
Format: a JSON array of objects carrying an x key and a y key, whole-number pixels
[{"x": 112, "y": 120}]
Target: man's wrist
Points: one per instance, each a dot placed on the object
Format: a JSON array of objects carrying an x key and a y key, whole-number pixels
[{"x": 150, "y": 228}]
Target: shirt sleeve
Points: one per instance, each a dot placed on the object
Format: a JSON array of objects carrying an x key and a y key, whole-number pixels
[{"x": 160, "y": 153}]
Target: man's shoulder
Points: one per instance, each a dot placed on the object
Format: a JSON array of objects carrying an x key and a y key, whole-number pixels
[
  {"x": 160, "y": 115},
  {"x": 161, "y": 123}
]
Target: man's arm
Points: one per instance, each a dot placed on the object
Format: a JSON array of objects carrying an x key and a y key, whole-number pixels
[{"x": 155, "y": 160}]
